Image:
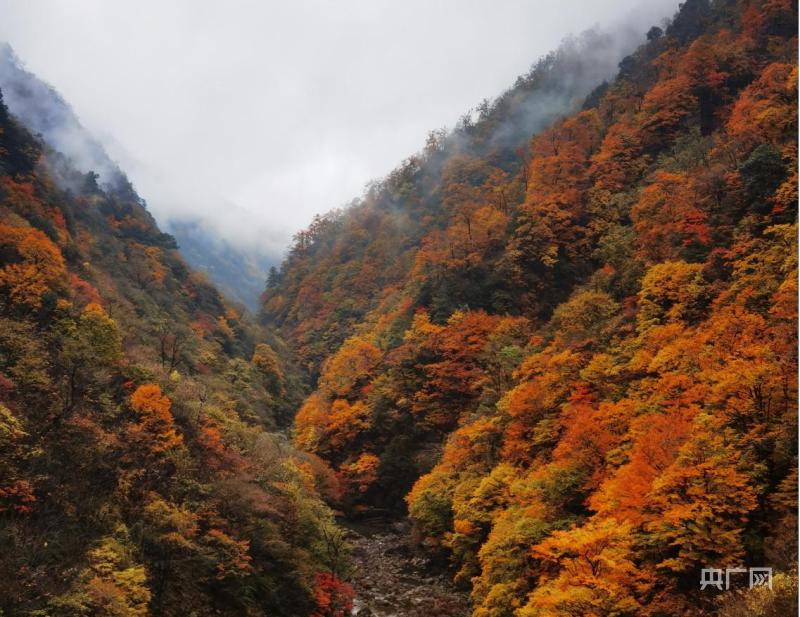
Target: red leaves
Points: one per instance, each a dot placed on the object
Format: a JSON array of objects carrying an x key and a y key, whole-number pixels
[
  {"x": 17, "y": 497},
  {"x": 333, "y": 597},
  {"x": 217, "y": 456}
]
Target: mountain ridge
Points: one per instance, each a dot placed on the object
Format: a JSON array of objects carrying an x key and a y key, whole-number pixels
[{"x": 540, "y": 353}]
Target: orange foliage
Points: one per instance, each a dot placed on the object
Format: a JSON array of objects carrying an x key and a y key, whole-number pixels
[
  {"x": 594, "y": 573},
  {"x": 153, "y": 429},
  {"x": 668, "y": 217},
  {"x": 349, "y": 367},
  {"x": 766, "y": 110},
  {"x": 363, "y": 472},
  {"x": 657, "y": 440},
  {"x": 34, "y": 266},
  {"x": 665, "y": 107}
]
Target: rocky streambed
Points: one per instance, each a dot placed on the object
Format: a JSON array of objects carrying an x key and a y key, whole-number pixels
[{"x": 391, "y": 580}]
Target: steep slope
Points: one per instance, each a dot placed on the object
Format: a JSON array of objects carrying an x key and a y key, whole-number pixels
[
  {"x": 347, "y": 263},
  {"x": 238, "y": 272},
  {"x": 137, "y": 474},
  {"x": 581, "y": 352}
]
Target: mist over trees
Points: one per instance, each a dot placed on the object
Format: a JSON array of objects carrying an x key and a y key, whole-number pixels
[
  {"x": 571, "y": 359},
  {"x": 557, "y": 349}
]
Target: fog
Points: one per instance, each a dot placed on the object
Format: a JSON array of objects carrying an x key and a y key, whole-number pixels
[{"x": 251, "y": 117}]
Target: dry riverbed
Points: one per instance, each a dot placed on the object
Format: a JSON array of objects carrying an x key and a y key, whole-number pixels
[{"x": 391, "y": 580}]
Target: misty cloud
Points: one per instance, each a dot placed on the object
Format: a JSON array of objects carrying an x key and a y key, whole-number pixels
[{"x": 251, "y": 117}]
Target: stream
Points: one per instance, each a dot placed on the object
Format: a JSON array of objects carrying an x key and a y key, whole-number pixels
[{"x": 392, "y": 580}]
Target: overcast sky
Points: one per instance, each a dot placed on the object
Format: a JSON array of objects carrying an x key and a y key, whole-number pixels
[{"x": 254, "y": 116}]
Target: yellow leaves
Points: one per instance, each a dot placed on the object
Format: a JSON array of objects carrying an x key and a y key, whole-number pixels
[
  {"x": 671, "y": 291},
  {"x": 11, "y": 429},
  {"x": 780, "y": 598},
  {"x": 504, "y": 559},
  {"x": 309, "y": 423},
  {"x": 350, "y": 367},
  {"x": 326, "y": 428},
  {"x": 702, "y": 501},
  {"x": 421, "y": 329},
  {"x": 769, "y": 262},
  {"x": 590, "y": 551},
  {"x": 430, "y": 504},
  {"x": 595, "y": 573},
  {"x": 124, "y": 595},
  {"x": 224, "y": 328},
  {"x": 266, "y": 361},
  {"x": 588, "y": 316},
  {"x": 113, "y": 584},
  {"x": 17, "y": 492},
  {"x": 171, "y": 519},
  {"x": 602, "y": 372}
]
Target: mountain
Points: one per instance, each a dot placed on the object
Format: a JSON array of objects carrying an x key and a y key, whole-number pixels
[
  {"x": 562, "y": 338},
  {"x": 44, "y": 112},
  {"x": 240, "y": 273},
  {"x": 142, "y": 471},
  {"x": 343, "y": 265}
]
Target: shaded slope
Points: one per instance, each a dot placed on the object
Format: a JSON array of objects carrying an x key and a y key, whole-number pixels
[{"x": 137, "y": 473}]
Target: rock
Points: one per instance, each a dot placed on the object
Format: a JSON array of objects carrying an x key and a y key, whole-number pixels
[{"x": 391, "y": 581}]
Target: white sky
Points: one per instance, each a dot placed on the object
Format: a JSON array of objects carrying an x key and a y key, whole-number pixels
[{"x": 253, "y": 116}]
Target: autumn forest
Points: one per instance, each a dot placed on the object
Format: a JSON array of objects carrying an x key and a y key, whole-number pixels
[{"x": 557, "y": 360}]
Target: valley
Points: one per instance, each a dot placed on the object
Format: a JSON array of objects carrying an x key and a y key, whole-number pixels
[{"x": 546, "y": 367}]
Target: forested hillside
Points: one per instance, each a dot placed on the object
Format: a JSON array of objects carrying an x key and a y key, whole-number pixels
[
  {"x": 138, "y": 473},
  {"x": 568, "y": 347}
]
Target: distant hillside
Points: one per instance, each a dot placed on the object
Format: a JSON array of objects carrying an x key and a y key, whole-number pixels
[{"x": 238, "y": 272}]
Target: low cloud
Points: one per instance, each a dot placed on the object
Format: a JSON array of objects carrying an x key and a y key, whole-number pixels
[{"x": 251, "y": 117}]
